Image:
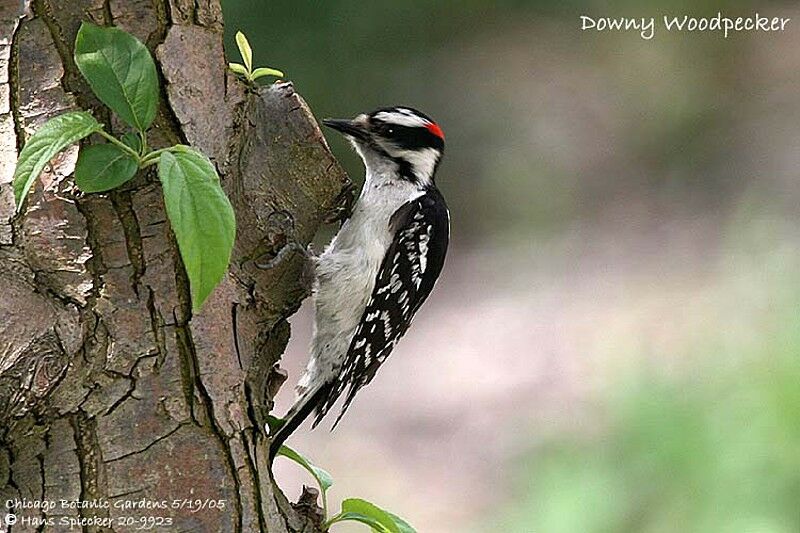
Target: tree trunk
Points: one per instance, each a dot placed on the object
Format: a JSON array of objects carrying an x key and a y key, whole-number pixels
[{"x": 112, "y": 392}]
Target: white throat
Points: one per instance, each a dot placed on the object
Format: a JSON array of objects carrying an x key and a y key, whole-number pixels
[{"x": 423, "y": 164}]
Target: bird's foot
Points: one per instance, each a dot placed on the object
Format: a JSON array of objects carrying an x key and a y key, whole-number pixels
[
  {"x": 343, "y": 206},
  {"x": 280, "y": 242},
  {"x": 286, "y": 250}
]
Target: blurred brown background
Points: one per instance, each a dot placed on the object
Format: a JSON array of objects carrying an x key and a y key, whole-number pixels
[{"x": 613, "y": 345}]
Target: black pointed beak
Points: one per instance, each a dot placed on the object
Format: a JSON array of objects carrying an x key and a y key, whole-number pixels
[{"x": 347, "y": 127}]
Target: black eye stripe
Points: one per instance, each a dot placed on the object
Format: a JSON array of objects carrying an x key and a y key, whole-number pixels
[{"x": 408, "y": 137}]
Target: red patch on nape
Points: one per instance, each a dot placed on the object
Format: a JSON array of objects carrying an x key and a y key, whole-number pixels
[{"x": 436, "y": 130}]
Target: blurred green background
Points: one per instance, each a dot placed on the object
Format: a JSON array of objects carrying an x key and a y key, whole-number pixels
[{"x": 614, "y": 344}]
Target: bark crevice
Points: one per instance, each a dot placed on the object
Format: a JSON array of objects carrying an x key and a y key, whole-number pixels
[
  {"x": 133, "y": 236},
  {"x": 89, "y": 461}
]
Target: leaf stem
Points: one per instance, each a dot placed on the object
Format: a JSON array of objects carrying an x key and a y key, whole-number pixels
[
  {"x": 336, "y": 518},
  {"x": 143, "y": 138},
  {"x": 152, "y": 157},
  {"x": 121, "y": 145}
]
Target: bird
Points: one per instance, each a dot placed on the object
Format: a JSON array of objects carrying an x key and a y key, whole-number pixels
[{"x": 380, "y": 267}]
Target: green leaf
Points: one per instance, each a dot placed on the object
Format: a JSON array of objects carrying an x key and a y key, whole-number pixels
[
  {"x": 132, "y": 141},
  {"x": 245, "y": 50},
  {"x": 54, "y": 135},
  {"x": 357, "y": 517},
  {"x": 265, "y": 71},
  {"x": 323, "y": 478},
  {"x": 201, "y": 217},
  {"x": 401, "y": 524},
  {"x": 274, "y": 423},
  {"x": 120, "y": 71},
  {"x": 102, "y": 167},
  {"x": 365, "y": 508},
  {"x": 238, "y": 68}
]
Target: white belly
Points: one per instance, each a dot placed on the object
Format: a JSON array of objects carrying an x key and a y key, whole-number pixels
[{"x": 345, "y": 276}]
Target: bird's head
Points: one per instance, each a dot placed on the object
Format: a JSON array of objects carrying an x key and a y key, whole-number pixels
[{"x": 395, "y": 139}]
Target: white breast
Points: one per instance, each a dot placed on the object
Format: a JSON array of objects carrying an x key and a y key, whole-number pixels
[{"x": 346, "y": 272}]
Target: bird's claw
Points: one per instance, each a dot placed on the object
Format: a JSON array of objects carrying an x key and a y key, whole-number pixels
[{"x": 286, "y": 250}]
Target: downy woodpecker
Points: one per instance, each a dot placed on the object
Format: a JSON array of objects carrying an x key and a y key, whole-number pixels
[{"x": 381, "y": 266}]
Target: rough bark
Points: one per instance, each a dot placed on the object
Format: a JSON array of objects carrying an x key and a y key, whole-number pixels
[{"x": 111, "y": 390}]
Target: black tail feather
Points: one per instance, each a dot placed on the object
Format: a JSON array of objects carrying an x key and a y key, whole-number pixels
[{"x": 296, "y": 415}]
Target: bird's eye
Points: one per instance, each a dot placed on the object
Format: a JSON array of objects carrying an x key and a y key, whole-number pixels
[{"x": 389, "y": 131}]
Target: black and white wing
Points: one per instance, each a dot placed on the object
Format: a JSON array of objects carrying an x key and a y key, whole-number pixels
[{"x": 406, "y": 277}]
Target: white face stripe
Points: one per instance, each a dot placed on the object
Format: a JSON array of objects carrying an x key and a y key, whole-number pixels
[
  {"x": 423, "y": 162},
  {"x": 402, "y": 117}
]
